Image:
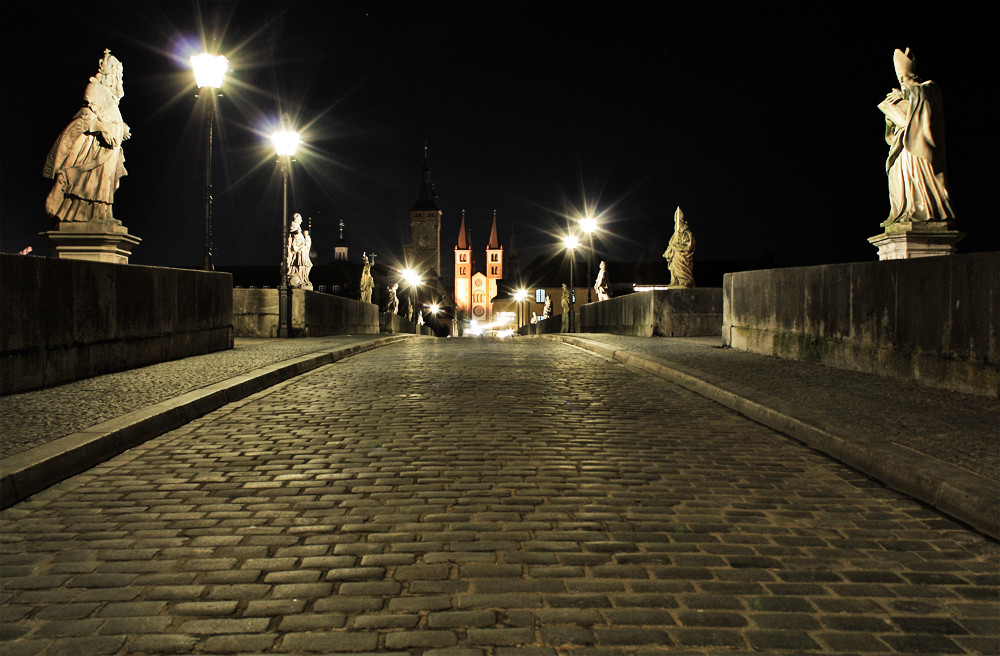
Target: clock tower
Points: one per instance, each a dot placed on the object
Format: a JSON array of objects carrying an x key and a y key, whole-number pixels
[{"x": 423, "y": 253}]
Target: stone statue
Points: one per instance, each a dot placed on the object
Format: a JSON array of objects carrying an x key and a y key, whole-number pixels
[
  {"x": 367, "y": 282},
  {"x": 914, "y": 130},
  {"x": 392, "y": 304},
  {"x": 564, "y": 302},
  {"x": 680, "y": 254},
  {"x": 420, "y": 318},
  {"x": 86, "y": 160},
  {"x": 409, "y": 309},
  {"x": 547, "y": 310},
  {"x": 299, "y": 264},
  {"x": 534, "y": 318},
  {"x": 601, "y": 284}
]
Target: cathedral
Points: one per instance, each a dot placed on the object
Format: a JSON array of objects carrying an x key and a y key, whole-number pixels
[{"x": 474, "y": 290}]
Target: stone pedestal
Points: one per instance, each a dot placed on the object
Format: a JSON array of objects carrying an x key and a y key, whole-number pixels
[
  {"x": 97, "y": 241},
  {"x": 902, "y": 241}
]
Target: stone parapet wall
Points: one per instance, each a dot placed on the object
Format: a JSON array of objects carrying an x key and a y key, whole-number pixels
[
  {"x": 314, "y": 314},
  {"x": 64, "y": 319},
  {"x": 933, "y": 320},
  {"x": 666, "y": 313},
  {"x": 394, "y": 323}
]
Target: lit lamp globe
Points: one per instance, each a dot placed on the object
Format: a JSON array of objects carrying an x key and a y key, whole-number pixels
[
  {"x": 571, "y": 242},
  {"x": 588, "y": 224},
  {"x": 285, "y": 142},
  {"x": 209, "y": 70}
]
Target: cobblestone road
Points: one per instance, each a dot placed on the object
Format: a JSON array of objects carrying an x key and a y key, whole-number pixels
[{"x": 477, "y": 498}]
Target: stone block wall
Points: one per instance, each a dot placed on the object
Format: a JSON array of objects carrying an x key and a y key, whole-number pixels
[
  {"x": 934, "y": 320},
  {"x": 314, "y": 314},
  {"x": 667, "y": 313},
  {"x": 63, "y": 319}
]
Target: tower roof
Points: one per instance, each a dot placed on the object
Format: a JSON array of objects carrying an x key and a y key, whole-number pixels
[
  {"x": 463, "y": 244},
  {"x": 494, "y": 241},
  {"x": 425, "y": 201}
]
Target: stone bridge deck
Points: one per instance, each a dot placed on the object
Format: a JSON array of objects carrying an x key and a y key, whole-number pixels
[{"x": 479, "y": 498}]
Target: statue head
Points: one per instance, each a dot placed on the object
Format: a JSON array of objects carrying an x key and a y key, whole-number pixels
[
  {"x": 110, "y": 73},
  {"x": 679, "y": 221},
  {"x": 905, "y": 65},
  {"x": 296, "y": 221},
  {"x": 603, "y": 265}
]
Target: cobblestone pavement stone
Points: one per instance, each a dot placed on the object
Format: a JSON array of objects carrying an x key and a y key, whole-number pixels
[
  {"x": 919, "y": 417},
  {"x": 478, "y": 498},
  {"x": 32, "y": 418}
]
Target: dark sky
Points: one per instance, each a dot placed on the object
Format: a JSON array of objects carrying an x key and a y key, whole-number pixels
[{"x": 758, "y": 119}]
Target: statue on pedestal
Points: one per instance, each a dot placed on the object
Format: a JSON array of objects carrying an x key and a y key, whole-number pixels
[
  {"x": 914, "y": 130},
  {"x": 367, "y": 282},
  {"x": 86, "y": 160},
  {"x": 299, "y": 264},
  {"x": 547, "y": 309},
  {"x": 392, "y": 303},
  {"x": 680, "y": 254},
  {"x": 601, "y": 284}
]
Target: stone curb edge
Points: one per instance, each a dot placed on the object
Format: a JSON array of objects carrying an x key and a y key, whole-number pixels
[
  {"x": 27, "y": 473},
  {"x": 963, "y": 495}
]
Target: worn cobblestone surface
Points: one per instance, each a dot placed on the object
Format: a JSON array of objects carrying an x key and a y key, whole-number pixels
[
  {"x": 478, "y": 498},
  {"x": 961, "y": 429},
  {"x": 32, "y": 418}
]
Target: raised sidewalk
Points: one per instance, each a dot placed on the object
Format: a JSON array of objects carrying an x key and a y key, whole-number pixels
[{"x": 937, "y": 446}]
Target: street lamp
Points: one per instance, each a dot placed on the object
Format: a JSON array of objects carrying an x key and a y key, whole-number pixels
[
  {"x": 520, "y": 296},
  {"x": 208, "y": 73},
  {"x": 589, "y": 225},
  {"x": 571, "y": 243},
  {"x": 412, "y": 280},
  {"x": 285, "y": 142}
]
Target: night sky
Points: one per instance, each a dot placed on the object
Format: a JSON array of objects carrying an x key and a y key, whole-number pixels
[{"x": 758, "y": 119}]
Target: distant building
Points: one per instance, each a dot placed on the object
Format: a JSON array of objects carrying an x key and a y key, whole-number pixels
[
  {"x": 340, "y": 248},
  {"x": 423, "y": 253},
  {"x": 475, "y": 290}
]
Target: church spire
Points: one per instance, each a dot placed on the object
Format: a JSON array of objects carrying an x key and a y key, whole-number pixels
[
  {"x": 462, "y": 243},
  {"x": 494, "y": 241},
  {"x": 426, "y": 199}
]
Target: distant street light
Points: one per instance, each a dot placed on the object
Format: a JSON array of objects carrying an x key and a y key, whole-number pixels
[
  {"x": 209, "y": 70},
  {"x": 589, "y": 225},
  {"x": 412, "y": 279},
  {"x": 571, "y": 243},
  {"x": 285, "y": 143}
]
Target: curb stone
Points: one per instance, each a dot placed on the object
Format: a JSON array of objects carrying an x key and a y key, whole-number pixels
[{"x": 27, "y": 473}]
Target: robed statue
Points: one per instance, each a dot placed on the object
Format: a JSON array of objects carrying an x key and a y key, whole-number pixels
[
  {"x": 297, "y": 253},
  {"x": 367, "y": 282},
  {"x": 914, "y": 130},
  {"x": 601, "y": 284},
  {"x": 680, "y": 254},
  {"x": 86, "y": 162},
  {"x": 392, "y": 304}
]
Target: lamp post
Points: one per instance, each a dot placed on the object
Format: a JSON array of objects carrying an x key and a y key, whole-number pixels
[
  {"x": 412, "y": 280},
  {"x": 589, "y": 225},
  {"x": 285, "y": 142},
  {"x": 571, "y": 243},
  {"x": 208, "y": 73},
  {"x": 519, "y": 297}
]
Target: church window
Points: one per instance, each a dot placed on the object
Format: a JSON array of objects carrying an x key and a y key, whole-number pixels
[
  {"x": 539, "y": 296},
  {"x": 493, "y": 271},
  {"x": 461, "y": 271},
  {"x": 494, "y": 257},
  {"x": 478, "y": 297},
  {"x": 463, "y": 257}
]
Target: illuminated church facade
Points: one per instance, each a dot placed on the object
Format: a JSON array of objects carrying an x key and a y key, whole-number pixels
[{"x": 475, "y": 290}]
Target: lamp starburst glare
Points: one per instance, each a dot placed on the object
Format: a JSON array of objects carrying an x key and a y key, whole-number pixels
[{"x": 209, "y": 70}]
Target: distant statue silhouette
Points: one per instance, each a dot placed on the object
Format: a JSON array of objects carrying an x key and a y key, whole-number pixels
[{"x": 680, "y": 253}]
